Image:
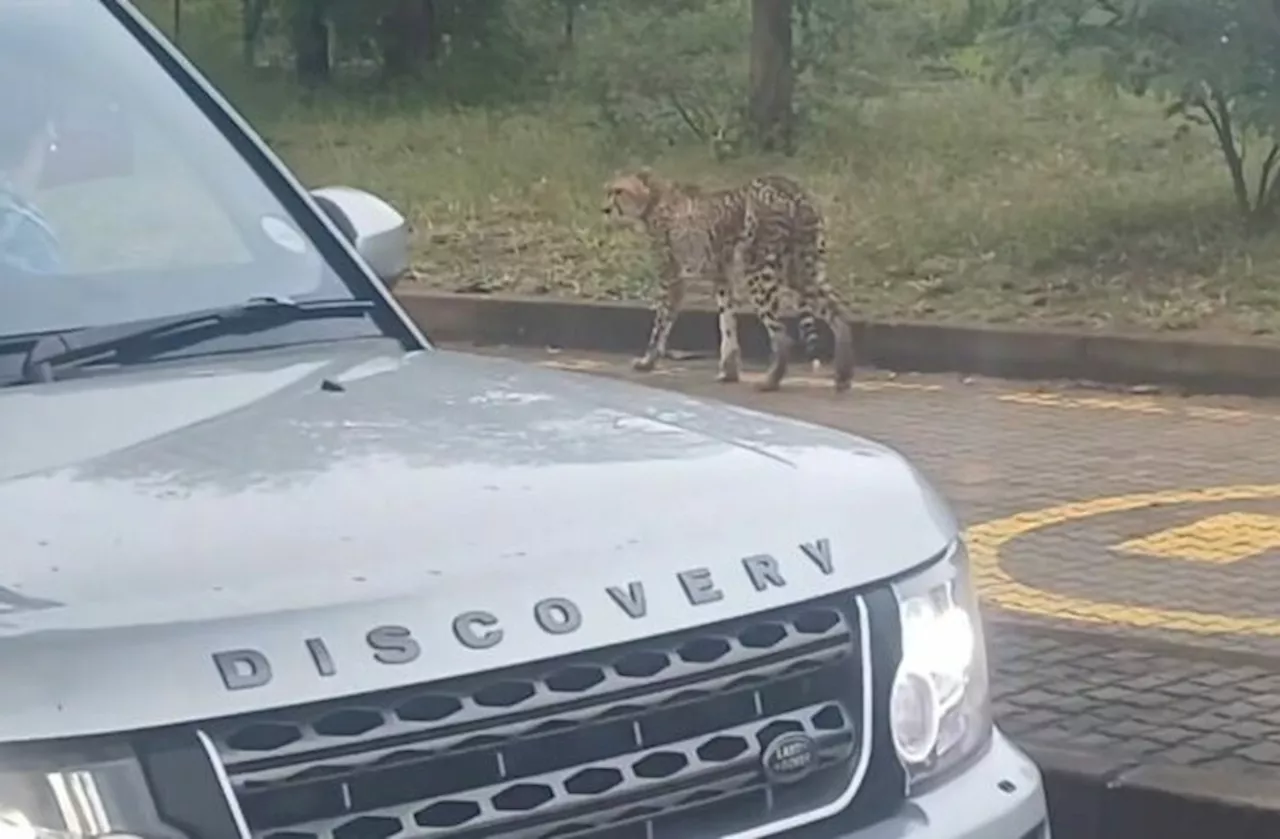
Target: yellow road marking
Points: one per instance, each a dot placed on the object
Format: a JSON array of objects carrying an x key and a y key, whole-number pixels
[
  {"x": 987, "y": 539},
  {"x": 670, "y": 370},
  {"x": 1053, "y": 400},
  {"x": 1128, "y": 404},
  {"x": 1133, "y": 405},
  {"x": 1220, "y": 540},
  {"x": 576, "y": 364}
]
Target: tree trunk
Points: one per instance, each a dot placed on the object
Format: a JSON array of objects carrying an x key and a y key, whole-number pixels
[
  {"x": 570, "y": 15},
  {"x": 472, "y": 21},
  {"x": 772, "y": 75},
  {"x": 311, "y": 42},
  {"x": 410, "y": 38},
  {"x": 252, "y": 13}
]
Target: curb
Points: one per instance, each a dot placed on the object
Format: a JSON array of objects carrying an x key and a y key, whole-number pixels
[
  {"x": 1095, "y": 797},
  {"x": 1192, "y": 364}
]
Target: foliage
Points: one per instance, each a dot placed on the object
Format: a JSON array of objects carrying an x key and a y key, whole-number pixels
[
  {"x": 473, "y": 52},
  {"x": 660, "y": 72},
  {"x": 827, "y": 53},
  {"x": 1212, "y": 62},
  {"x": 666, "y": 78},
  {"x": 1071, "y": 203}
]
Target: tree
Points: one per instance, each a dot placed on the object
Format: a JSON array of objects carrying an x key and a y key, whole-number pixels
[
  {"x": 569, "y": 22},
  {"x": 695, "y": 87},
  {"x": 252, "y": 14},
  {"x": 1214, "y": 63},
  {"x": 310, "y": 27},
  {"x": 404, "y": 37},
  {"x": 772, "y": 85},
  {"x": 409, "y": 37}
]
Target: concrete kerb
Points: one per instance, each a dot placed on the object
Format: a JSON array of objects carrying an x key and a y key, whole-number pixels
[
  {"x": 1094, "y": 797},
  {"x": 1192, "y": 364},
  {"x": 1077, "y": 785}
]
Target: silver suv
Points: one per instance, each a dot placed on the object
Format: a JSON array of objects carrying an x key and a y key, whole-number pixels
[{"x": 276, "y": 567}]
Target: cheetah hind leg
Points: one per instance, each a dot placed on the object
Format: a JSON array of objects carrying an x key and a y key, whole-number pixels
[
  {"x": 833, "y": 313},
  {"x": 806, "y": 320},
  {"x": 761, "y": 273},
  {"x": 844, "y": 359},
  {"x": 819, "y": 297}
]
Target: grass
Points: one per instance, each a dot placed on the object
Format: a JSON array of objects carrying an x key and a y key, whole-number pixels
[{"x": 946, "y": 200}]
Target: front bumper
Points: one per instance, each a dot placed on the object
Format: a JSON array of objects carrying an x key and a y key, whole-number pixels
[{"x": 973, "y": 805}]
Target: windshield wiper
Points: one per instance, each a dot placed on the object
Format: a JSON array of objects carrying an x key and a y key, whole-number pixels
[{"x": 94, "y": 344}]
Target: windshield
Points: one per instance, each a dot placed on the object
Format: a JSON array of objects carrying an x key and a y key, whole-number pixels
[{"x": 119, "y": 199}]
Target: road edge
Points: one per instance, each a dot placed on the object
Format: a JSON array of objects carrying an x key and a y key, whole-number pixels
[
  {"x": 1094, "y": 796},
  {"x": 1192, "y": 364}
]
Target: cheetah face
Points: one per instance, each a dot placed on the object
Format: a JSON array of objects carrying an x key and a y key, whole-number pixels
[{"x": 625, "y": 199}]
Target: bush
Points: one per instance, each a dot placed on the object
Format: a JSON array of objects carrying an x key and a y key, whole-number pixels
[{"x": 1212, "y": 62}]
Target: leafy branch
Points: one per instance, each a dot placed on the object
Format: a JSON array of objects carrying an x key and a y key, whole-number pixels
[{"x": 1214, "y": 61}]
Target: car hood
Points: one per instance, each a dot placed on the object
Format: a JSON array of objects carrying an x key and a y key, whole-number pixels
[{"x": 172, "y": 529}]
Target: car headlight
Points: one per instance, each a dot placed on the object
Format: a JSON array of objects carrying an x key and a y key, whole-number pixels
[
  {"x": 940, "y": 709},
  {"x": 52, "y": 794}
]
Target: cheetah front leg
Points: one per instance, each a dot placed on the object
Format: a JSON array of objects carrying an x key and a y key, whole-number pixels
[
  {"x": 666, "y": 309},
  {"x": 730, "y": 352}
]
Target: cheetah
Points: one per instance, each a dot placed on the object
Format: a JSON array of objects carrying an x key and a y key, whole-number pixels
[{"x": 767, "y": 233}]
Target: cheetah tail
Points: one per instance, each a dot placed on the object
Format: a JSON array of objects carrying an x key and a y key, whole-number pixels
[
  {"x": 842, "y": 308},
  {"x": 808, "y": 327}
]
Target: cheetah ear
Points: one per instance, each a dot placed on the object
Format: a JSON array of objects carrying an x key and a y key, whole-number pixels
[{"x": 645, "y": 175}]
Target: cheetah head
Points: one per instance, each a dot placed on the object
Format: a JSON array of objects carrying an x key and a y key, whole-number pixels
[{"x": 628, "y": 196}]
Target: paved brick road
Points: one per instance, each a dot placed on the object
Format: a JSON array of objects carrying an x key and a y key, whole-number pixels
[{"x": 1127, "y": 548}]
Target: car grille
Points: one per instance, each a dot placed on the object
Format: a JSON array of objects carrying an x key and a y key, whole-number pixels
[{"x": 656, "y": 739}]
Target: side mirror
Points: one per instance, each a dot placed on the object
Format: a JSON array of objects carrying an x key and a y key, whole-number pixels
[{"x": 376, "y": 229}]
